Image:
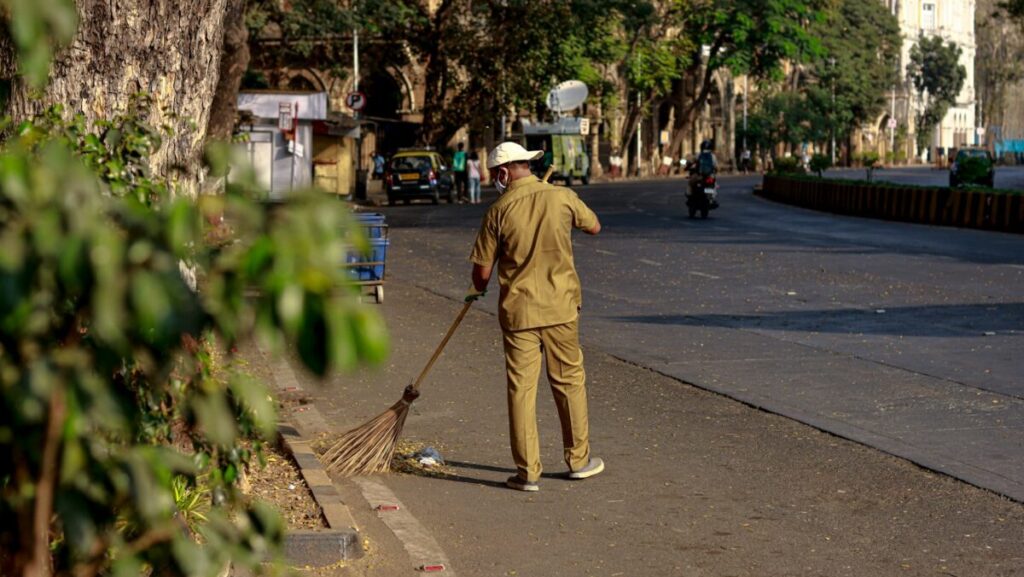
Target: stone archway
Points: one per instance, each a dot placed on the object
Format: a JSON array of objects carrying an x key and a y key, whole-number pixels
[
  {"x": 306, "y": 80},
  {"x": 384, "y": 95},
  {"x": 408, "y": 92}
]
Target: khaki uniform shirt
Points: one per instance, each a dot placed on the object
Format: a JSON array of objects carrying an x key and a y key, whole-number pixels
[{"x": 528, "y": 231}]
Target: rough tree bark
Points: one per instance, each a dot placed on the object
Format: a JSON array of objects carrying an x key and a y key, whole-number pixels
[
  {"x": 436, "y": 81},
  {"x": 703, "y": 75},
  {"x": 234, "y": 62},
  {"x": 170, "y": 50},
  {"x": 596, "y": 169}
]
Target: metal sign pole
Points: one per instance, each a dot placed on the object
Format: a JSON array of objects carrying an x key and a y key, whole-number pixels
[{"x": 360, "y": 178}]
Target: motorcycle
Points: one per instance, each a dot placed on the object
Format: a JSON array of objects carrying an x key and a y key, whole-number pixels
[{"x": 702, "y": 195}]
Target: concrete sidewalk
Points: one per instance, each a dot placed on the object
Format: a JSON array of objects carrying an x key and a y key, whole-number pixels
[{"x": 697, "y": 484}]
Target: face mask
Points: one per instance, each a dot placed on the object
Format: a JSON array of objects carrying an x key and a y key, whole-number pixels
[{"x": 501, "y": 183}]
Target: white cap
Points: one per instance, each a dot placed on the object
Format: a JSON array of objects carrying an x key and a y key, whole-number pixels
[{"x": 511, "y": 152}]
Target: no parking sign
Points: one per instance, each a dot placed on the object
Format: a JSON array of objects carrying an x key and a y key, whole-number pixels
[{"x": 355, "y": 101}]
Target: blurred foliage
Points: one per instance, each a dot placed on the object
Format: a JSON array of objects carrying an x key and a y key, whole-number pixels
[
  {"x": 843, "y": 84},
  {"x": 784, "y": 118},
  {"x": 820, "y": 163},
  {"x": 107, "y": 357},
  {"x": 787, "y": 165},
  {"x": 870, "y": 160},
  {"x": 38, "y": 28},
  {"x": 1013, "y": 8},
  {"x": 122, "y": 437},
  {"x": 859, "y": 64},
  {"x": 974, "y": 170}
]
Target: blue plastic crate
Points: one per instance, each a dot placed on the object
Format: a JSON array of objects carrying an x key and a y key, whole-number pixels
[
  {"x": 373, "y": 222},
  {"x": 374, "y": 269}
]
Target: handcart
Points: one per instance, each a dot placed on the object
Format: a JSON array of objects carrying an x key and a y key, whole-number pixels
[{"x": 368, "y": 270}]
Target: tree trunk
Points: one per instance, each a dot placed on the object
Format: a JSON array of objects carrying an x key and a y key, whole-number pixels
[
  {"x": 435, "y": 93},
  {"x": 728, "y": 144},
  {"x": 234, "y": 62},
  {"x": 170, "y": 50},
  {"x": 702, "y": 76},
  {"x": 595, "y": 138}
]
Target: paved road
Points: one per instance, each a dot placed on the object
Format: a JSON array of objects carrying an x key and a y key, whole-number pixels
[
  {"x": 1007, "y": 177},
  {"x": 766, "y": 303},
  {"x": 905, "y": 338}
]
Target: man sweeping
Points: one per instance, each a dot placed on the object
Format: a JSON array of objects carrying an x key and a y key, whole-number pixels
[{"x": 528, "y": 233}]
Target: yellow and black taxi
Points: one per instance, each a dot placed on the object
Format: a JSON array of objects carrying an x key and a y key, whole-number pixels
[{"x": 419, "y": 173}]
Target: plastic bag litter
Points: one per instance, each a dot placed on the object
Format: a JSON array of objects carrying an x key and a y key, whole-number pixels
[{"x": 428, "y": 457}]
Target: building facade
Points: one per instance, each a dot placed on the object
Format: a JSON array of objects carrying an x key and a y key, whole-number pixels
[{"x": 953, "y": 21}]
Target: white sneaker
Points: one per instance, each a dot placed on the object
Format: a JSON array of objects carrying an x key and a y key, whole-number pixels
[
  {"x": 516, "y": 482},
  {"x": 594, "y": 466}
]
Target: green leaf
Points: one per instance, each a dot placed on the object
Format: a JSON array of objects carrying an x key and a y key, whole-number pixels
[
  {"x": 313, "y": 337},
  {"x": 254, "y": 396},
  {"x": 215, "y": 419},
  {"x": 371, "y": 335},
  {"x": 152, "y": 305},
  {"x": 183, "y": 227},
  {"x": 189, "y": 556}
]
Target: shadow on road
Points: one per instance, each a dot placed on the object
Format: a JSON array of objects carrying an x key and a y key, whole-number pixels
[
  {"x": 489, "y": 469},
  {"x": 924, "y": 321}
]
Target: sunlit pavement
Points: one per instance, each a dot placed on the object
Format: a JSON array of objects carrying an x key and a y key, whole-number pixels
[{"x": 904, "y": 337}]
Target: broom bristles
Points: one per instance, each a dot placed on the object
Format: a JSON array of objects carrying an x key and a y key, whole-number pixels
[{"x": 369, "y": 447}]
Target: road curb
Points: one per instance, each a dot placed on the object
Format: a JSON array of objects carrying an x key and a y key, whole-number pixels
[{"x": 341, "y": 542}]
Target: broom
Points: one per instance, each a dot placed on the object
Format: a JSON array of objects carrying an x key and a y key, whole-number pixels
[{"x": 370, "y": 447}]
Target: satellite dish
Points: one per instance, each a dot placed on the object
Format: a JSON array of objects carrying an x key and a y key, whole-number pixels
[{"x": 567, "y": 96}]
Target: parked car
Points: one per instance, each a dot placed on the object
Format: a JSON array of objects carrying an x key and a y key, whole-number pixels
[
  {"x": 414, "y": 174},
  {"x": 972, "y": 166}
]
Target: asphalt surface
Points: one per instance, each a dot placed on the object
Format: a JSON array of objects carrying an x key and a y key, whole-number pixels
[
  {"x": 900, "y": 340},
  {"x": 906, "y": 338}
]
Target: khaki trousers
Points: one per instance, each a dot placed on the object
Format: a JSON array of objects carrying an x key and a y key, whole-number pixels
[{"x": 560, "y": 346}]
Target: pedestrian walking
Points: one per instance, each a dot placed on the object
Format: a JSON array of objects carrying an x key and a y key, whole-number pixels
[
  {"x": 378, "y": 165},
  {"x": 459, "y": 169},
  {"x": 528, "y": 233},
  {"x": 745, "y": 160},
  {"x": 615, "y": 163},
  {"x": 473, "y": 173}
]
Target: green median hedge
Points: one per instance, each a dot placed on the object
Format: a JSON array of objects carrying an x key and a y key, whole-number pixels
[{"x": 969, "y": 208}]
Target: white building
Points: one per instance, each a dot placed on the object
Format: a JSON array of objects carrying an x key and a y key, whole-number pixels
[{"x": 952, "y": 20}]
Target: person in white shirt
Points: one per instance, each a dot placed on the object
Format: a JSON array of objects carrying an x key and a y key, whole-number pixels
[{"x": 473, "y": 172}]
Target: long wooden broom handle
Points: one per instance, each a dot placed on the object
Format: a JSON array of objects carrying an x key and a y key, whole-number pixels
[{"x": 451, "y": 330}]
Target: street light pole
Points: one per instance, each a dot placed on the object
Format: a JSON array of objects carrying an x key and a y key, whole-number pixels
[{"x": 360, "y": 177}]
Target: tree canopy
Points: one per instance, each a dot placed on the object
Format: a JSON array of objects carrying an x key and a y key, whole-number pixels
[
  {"x": 938, "y": 77},
  {"x": 859, "y": 61},
  {"x": 838, "y": 88}
]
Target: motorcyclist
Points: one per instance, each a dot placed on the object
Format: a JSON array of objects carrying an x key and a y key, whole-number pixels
[
  {"x": 704, "y": 166},
  {"x": 703, "y": 192}
]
